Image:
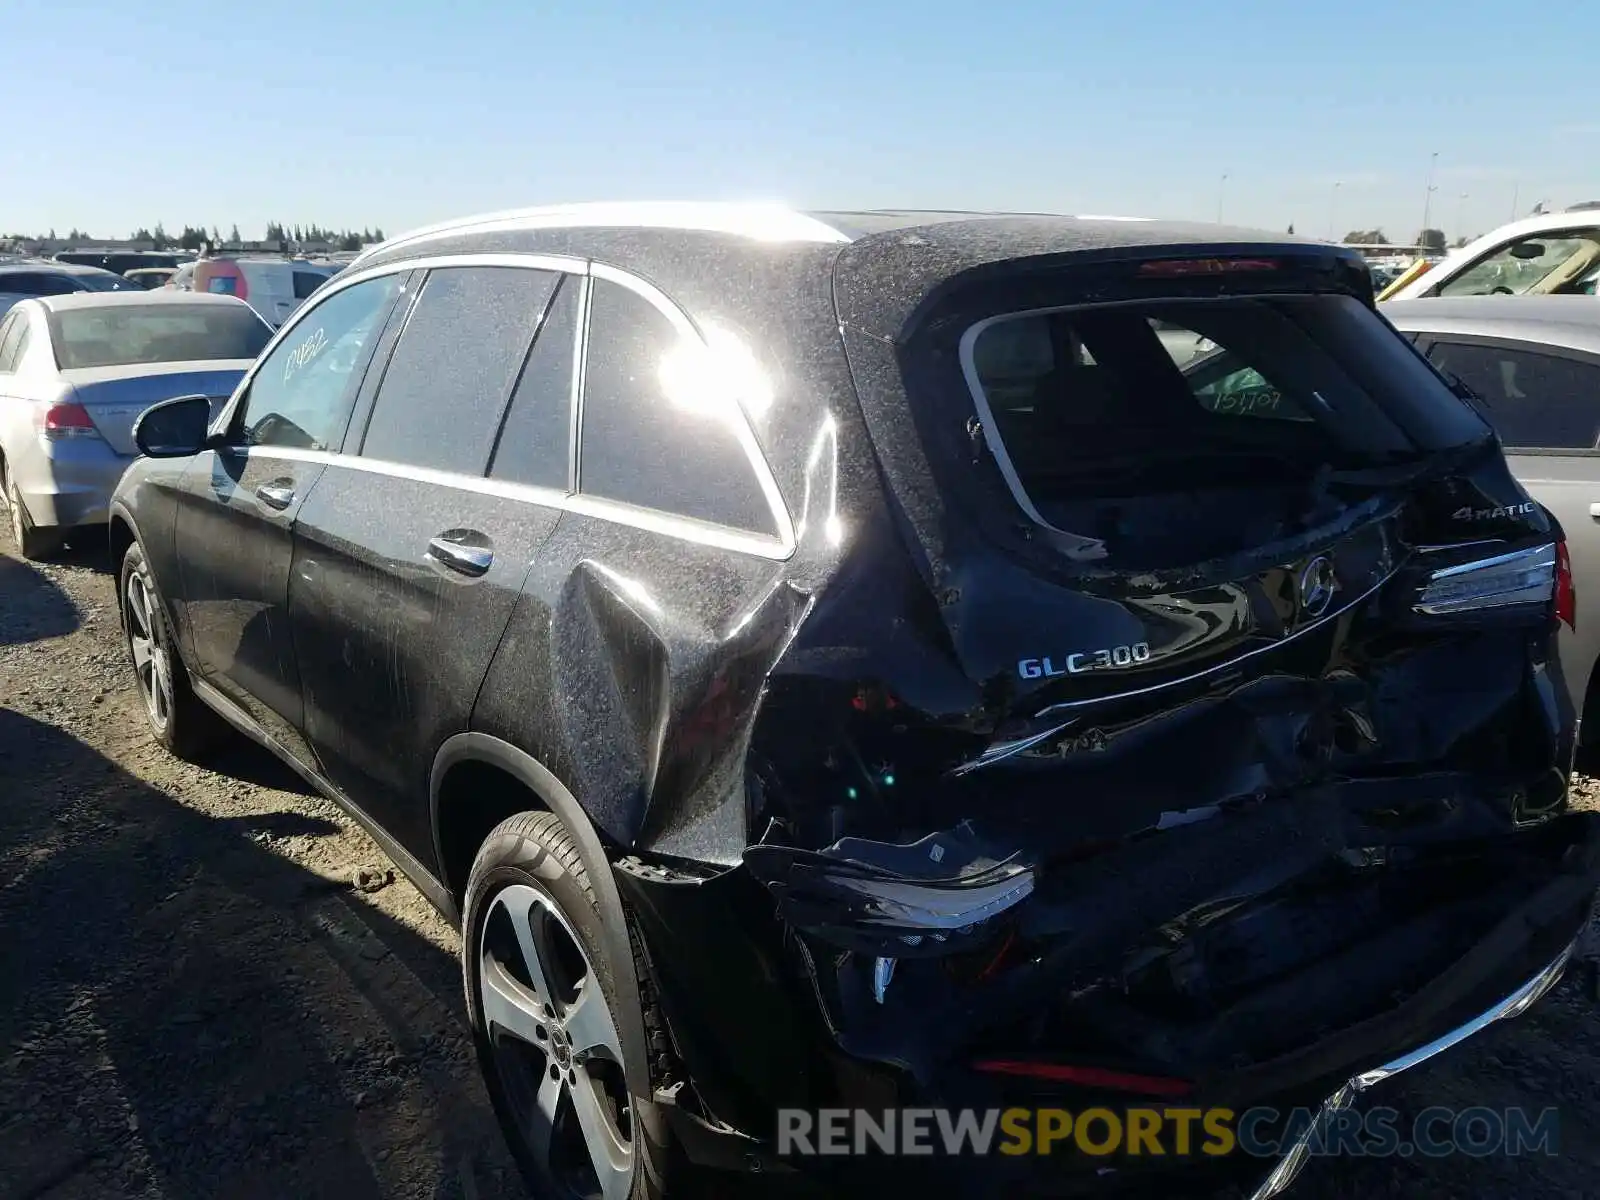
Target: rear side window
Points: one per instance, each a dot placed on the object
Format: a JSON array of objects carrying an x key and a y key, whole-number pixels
[
  {"x": 1535, "y": 400},
  {"x": 223, "y": 285},
  {"x": 451, "y": 372},
  {"x": 651, "y": 444},
  {"x": 536, "y": 434}
]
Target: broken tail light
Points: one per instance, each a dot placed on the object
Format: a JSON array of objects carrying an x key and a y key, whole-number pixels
[
  {"x": 1521, "y": 577},
  {"x": 930, "y": 897},
  {"x": 65, "y": 420}
]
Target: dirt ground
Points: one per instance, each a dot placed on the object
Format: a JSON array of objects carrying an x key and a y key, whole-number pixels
[{"x": 197, "y": 1001}]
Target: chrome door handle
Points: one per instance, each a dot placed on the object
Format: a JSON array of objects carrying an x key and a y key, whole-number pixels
[
  {"x": 275, "y": 495},
  {"x": 459, "y": 557}
]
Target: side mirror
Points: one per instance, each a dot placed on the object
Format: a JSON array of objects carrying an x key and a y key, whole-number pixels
[
  {"x": 1527, "y": 250},
  {"x": 174, "y": 428}
]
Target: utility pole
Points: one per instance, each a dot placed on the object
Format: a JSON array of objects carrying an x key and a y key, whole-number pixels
[
  {"x": 1427, "y": 200},
  {"x": 1222, "y": 185},
  {"x": 1333, "y": 211},
  {"x": 1461, "y": 220},
  {"x": 1516, "y": 194}
]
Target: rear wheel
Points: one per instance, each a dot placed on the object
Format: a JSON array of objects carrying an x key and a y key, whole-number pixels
[
  {"x": 543, "y": 1008},
  {"x": 179, "y": 719},
  {"x": 32, "y": 542}
]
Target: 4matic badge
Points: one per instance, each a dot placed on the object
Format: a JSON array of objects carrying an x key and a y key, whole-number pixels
[{"x": 1109, "y": 659}]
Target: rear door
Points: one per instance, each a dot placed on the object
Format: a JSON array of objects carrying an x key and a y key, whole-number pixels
[
  {"x": 411, "y": 550},
  {"x": 238, "y": 504},
  {"x": 1545, "y": 403}
]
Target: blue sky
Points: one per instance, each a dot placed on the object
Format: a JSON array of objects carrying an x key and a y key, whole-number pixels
[{"x": 126, "y": 113}]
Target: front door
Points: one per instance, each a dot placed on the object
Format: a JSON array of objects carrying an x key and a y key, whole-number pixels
[
  {"x": 411, "y": 552},
  {"x": 238, "y": 505}
]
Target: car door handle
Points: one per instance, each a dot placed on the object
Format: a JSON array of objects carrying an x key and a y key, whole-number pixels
[
  {"x": 276, "y": 495},
  {"x": 450, "y": 550}
]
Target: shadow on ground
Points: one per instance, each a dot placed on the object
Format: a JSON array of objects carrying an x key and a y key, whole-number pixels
[
  {"x": 37, "y": 607},
  {"x": 189, "y": 1015}
]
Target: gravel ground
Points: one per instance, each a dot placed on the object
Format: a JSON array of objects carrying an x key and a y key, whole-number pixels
[{"x": 212, "y": 984}]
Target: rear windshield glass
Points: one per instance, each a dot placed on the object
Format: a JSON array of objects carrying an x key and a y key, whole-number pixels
[
  {"x": 1152, "y": 423},
  {"x": 114, "y": 337}
]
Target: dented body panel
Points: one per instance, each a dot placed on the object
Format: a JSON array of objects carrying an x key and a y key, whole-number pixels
[{"x": 931, "y": 786}]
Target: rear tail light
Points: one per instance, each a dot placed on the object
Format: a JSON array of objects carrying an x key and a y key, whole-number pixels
[
  {"x": 59, "y": 421},
  {"x": 1566, "y": 591},
  {"x": 1091, "y": 1077},
  {"x": 1521, "y": 577}
]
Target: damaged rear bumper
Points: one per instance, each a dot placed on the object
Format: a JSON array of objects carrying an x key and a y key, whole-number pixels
[
  {"x": 1514, "y": 1005},
  {"x": 764, "y": 1016}
]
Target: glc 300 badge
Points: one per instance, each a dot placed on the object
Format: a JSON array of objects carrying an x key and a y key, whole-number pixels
[{"x": 1110, "y": 659}]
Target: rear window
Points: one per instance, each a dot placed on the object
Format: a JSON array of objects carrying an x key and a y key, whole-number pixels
[
  {"x": 1148, "y": 421},
  {"x": 119, "y": 336}
]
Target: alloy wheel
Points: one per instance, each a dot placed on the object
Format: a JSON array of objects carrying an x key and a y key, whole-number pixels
[
  {"x": 555, "y": 1046},
  {"x": 152, "y": 661}
]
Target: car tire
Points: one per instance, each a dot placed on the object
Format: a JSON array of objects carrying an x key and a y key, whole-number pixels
[
  {"x": 529, "y": 893},
  {"x": 33, "y": 543},
  {"x": 178, "y": 718}
]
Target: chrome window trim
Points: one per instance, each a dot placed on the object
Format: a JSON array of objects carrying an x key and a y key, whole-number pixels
[
  {"x": 580, "y": 344},
  {"x": 781, "y": 546}
]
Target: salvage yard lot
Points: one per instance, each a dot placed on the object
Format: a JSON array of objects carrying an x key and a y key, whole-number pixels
[{"x": 212, "y": 985}]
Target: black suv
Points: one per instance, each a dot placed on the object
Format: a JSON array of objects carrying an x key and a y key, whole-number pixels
[{"x": 886, "y": 659}]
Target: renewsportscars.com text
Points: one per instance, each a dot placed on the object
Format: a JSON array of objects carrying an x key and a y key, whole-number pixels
[{"x": 1167, "y": 1132}]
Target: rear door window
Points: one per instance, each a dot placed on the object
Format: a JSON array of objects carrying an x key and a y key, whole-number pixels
[
  {"x": 650, "y": 437},
  {"x": 534, "y": 443},
  {"x": 452, "y": 371},
  {"x": 1536, "y": 400}
]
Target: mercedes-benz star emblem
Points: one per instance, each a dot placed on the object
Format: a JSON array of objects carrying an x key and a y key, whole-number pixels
[{"x": 1317, "y": 586}]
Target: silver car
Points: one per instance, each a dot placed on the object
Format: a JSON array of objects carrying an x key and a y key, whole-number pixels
[
  {"x": 75, "y": 373},
  {"x": 1533, "y": 364}
]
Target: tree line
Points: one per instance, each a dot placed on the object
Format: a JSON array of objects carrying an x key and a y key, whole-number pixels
[{"x": 194, "y": 237}]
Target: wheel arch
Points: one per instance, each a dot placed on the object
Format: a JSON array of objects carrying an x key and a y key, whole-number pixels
[{"x": 466, "y": 749}]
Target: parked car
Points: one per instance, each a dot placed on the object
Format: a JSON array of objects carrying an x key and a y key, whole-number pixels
[
  {"x": 842, "y": 660},
  {"x": 22, "y": 278},
  {"x": 120, "y": 262},
  {"x": 274, "y": 287},
  {"x": 75, "y": 373},
  {"x": 1553, "y": 254},
  {"x": 151, "y": 277},
  {"x": 1534, "y": 369}
]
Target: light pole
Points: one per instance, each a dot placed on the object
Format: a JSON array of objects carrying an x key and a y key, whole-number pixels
[
  {"x": 1333, "y": 210},
  {"x": 1461, "y": 219},
  {"x": 1427, "y": 199},
  {"x": 1222, "y": 185}
]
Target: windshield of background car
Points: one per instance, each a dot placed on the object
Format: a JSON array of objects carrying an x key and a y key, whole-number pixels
[
  {"x": 1556, "y": 263},
  {"x": 119, "y": 336}
]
